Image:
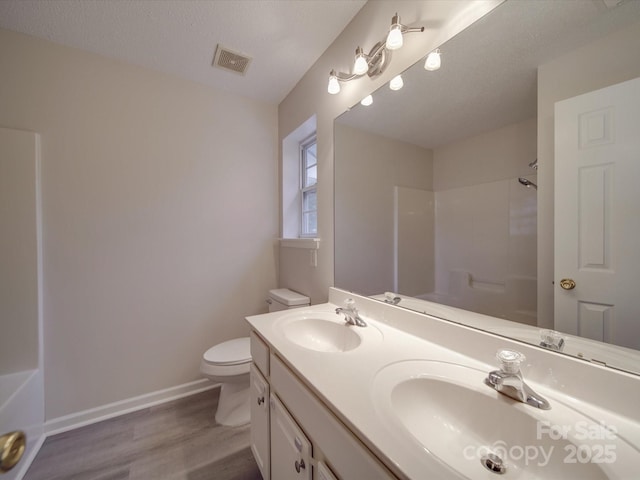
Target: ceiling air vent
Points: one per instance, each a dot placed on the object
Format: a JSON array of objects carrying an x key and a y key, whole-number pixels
[{"x": 230, "y": 60}]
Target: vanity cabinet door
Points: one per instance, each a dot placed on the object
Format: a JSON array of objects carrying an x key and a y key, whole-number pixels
[
  {"x": 290, "y": 449},
  {"x": 260, "y": 437}
]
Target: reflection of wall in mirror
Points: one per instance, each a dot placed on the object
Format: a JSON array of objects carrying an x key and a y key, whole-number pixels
[
  {"x": 367, "y": 168},
  {"x": 413, "y": 242},
  {"x": 483, "y": 238}
]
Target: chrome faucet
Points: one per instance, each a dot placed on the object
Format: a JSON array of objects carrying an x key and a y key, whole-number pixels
[
  {"x": 350, "y": 313},
  {"x": 508, "y": 380}
]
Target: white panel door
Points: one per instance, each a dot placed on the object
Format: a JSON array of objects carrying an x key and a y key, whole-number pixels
[
  {"x": 260, "y": 438},
  {"x": 597, "y": 214},
  {"x": 290, "y": 448}
]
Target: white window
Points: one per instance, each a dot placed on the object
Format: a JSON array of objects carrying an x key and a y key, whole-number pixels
[
  {"x": 300, "y": 183},
  {"x": 309, "y": 188}
]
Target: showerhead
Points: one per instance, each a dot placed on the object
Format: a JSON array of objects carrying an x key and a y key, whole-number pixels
[
  {"x": 527, "y": 183},
  {"x": 534, "y": 164}
]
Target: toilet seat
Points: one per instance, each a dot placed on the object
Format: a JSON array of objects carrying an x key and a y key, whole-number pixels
[{"x": 231, "y": 352}]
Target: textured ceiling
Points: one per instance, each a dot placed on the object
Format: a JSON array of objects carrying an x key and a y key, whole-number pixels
[
  {"x": 488, "y": 77},
  {"x": 284, "y": 37}
]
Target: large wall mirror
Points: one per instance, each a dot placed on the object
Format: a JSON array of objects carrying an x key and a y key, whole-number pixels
[{"x": 436, "y": 195}]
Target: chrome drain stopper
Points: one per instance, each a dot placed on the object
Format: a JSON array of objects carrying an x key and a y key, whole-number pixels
[{"x": 493, "y": 463}]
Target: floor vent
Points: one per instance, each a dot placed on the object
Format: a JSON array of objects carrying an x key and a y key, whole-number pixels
[{"x": 230, "y": 60}]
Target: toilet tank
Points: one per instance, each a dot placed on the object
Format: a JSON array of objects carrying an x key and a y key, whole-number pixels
[{"x": 283, "y": 299}]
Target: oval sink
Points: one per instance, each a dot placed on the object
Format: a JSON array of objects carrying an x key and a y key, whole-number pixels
[
  {"x": 448, "y": 411},
  {"x": 322, "y": 335},
  {"x": 324, "y": 331}
]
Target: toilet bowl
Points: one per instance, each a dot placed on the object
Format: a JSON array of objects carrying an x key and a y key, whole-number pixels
[{"x": 228, "y": 364}]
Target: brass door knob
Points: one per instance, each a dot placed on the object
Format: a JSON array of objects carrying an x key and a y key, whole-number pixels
[
  {"x": 567, "y": 284},
  {"x": 12, "y": 447}
]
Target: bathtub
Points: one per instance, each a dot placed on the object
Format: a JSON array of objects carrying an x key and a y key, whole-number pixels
[{"x": 22, "y": 408}]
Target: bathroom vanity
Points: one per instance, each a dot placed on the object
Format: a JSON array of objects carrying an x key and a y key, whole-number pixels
[{"x": 405, "y": 397}]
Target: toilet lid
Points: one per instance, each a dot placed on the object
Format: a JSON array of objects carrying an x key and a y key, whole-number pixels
[{"x": 231, "y": 352}]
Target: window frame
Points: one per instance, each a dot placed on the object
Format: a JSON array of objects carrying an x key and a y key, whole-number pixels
[{"x": 305, "y": 189}]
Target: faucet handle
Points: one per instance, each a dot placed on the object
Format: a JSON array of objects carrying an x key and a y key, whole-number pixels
[
  {"x": 510, "y": 360},
  {"x": 350, "y": 304},
  {"x": 551, "y": 339}
]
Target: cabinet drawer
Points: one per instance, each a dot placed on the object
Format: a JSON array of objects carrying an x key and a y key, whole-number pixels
[
  {"x": 260, "y": 353},
  {"x": 348, "y": 457}
]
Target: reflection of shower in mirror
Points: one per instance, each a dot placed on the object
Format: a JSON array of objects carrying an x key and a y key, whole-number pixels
[{"x": 527, "y": 183}]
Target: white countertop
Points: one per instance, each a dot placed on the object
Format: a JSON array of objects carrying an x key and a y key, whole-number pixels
[{"x": 344, "y": 380}]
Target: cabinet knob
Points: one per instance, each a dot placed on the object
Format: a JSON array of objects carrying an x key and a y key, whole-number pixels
[
  {"x": 260, "y": 400},
  {"x": 299, "y": 465}
]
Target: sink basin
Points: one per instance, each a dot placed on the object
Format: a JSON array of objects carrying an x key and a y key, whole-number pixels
[
  {"x": 447, "y": 411},
  {"x": 322, "y": 335},
  {"x": 324, "y": 331}
]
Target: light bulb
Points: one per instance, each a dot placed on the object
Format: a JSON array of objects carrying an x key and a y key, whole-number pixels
[
  {"x": 396, "y": 83},
  {"x": 360, "y": 66},
  {"x": 433, "y": 61},
  {"x": 334, "y": 85},
  {"x": 366, "y": 101},
  {"x": 394, "y": 38}
]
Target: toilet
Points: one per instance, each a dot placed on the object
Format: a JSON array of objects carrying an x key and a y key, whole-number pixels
[{"x": 228, "y": 364}]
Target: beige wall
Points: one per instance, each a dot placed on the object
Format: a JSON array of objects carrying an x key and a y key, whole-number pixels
[
  {"x": 159, "y": 217},
  {"x": 608, "y": 61},
  {"x": 443, "y": 20}
]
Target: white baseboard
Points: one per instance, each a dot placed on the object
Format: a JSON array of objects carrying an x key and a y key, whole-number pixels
[{"x": 94, "y": 415}]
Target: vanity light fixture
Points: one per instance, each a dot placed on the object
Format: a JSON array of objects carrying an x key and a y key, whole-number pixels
[
  {"x": 396, "y": 83},
  {"x": 433, "y": 61},
  {"x": 378, "y": 58},
  {"x": 366, "y": 101}
]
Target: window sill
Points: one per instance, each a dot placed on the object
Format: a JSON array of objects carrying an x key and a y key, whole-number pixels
[{"x": 308, "y": 243}]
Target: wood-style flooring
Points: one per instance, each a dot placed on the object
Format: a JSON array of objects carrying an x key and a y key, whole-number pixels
[{"x": 178, "y": 440}]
